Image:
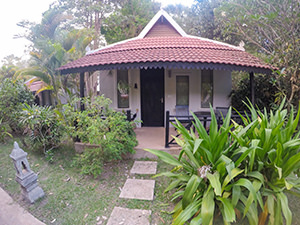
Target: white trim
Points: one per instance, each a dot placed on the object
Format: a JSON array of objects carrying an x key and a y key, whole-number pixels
[
  {"x": 217, "y": 42},
  {"x": 111, "y": 45},
  {"x": 156, "y": 18}
]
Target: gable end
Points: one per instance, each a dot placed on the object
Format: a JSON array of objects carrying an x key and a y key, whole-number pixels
[{"x": 162, "y": 28}]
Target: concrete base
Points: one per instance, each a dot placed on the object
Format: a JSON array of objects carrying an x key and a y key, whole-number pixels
[
  {"x": 33, "y": 194},
  {"x": 29, "y": 186},
  {"x": 123, "y": 216},
  {"x": 144, "y": 167},
  {"x": 138, "y": 189}
]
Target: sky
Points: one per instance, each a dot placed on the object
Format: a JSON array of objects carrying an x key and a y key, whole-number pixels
[{"x": 14, "y": 11}]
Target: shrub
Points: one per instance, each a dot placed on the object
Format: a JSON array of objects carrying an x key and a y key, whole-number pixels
[
  {"x": 45, "y": 128},
  {"x": 101, "y": 125},
  {"x": 3, "y": 131},
  {"x": 236, "y": 170},
  {"x": 12, "y": 97},
  {"x": 264, "y": 90}
]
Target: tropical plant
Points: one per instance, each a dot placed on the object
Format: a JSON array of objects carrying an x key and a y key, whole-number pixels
[
  {"x": 235, "y": 171},
  {"x": 273, "y": 154},
  {"x": 12, "y": 96},
  {"x": 45, "y": 129},
  {"x": 3, "y": 131},
  {"x": 99, "y": 124}
]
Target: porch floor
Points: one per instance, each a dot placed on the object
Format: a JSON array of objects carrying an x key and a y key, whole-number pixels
[{"x": 152, "y": 138}]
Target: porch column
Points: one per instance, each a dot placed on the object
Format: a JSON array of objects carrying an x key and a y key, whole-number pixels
[
  {"x": 252, "y": 91},
  {"x": 81, "y": 90}
]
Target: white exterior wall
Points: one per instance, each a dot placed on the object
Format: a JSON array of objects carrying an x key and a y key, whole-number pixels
[{"x": 221, "y": 89}]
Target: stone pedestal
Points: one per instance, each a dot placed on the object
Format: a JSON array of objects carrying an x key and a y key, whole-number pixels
[{"x": 25, "y": 176}]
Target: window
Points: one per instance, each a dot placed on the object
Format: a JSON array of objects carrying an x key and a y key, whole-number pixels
[
  {"x": 123, "y": 89},
  {"x": 206, "y": 88},
  {"x": 182, "y": 90}
]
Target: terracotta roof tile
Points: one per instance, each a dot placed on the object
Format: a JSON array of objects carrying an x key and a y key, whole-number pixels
[{"x": 168, "y": 49}]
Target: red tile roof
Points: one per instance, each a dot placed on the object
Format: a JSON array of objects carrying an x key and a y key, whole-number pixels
[{"x": 167, "y": 49}]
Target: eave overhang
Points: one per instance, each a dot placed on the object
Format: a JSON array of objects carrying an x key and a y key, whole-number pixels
[{"x": 167, "y": 65}]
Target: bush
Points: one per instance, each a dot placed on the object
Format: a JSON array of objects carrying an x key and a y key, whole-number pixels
[
  {"x": 12, "y": 97},
  {"x": 236, "y": 170},
  {"x": 45, "y": 128},
  {"x": 3, "y": 131},
  {"x": 101, "y": 125},
  {"x": 264, "y": 90}
]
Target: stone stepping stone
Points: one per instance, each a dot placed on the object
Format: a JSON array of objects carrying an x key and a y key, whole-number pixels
[
  {"x": 123, "y": 216},
  {"x": 138, "y": 189},
  {"x": 144, "y": 167}
]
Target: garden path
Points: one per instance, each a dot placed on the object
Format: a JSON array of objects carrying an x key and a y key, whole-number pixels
[
  {"x": 13, "y": 213},
  {"x": 136, "y": 189}
]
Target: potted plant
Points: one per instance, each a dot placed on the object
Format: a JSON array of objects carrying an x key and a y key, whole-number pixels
[{"x": 123, "y": 88}]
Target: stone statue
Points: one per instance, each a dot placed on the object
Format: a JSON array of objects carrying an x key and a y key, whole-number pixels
[{"x": 25, "y": 176}]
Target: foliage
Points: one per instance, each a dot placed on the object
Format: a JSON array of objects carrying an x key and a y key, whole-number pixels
[
  {"x": 236, "y": 170},
  {"x": 264, "y": 90},
  {"x": 12, "y": 96},
  {"x": 45, "y": 130},
  {"x": 271, "y": 30},
  {"x": 99, "y": 124},
  {"x": 129, "y": 19},
  {"x": 52, "y": 46},
  {"x": 3, "y": 131},
  {"x": 205, "y": 23}
]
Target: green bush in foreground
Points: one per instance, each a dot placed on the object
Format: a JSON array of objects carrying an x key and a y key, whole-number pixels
[
  {"x": 99, "y": 124},
  {"x": 12, "y": 96},
  {"x": 236, "y": 171},
  {"x": 45, "y": 128}
]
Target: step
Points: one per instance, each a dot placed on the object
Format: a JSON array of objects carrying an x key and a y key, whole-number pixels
[
  {"x": 144, "y": 167},
  {"x": 138, "y": 189},
  {"x": 124, "y": 216}
]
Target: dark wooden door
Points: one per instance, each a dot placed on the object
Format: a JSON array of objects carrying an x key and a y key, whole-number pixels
[{"x": 152, "y": 97}]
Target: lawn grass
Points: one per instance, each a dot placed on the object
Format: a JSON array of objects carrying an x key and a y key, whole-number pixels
[{"x": 72, "y": 198}]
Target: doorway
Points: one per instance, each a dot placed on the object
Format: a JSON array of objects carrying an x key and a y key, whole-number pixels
[{"x": 152, "y": 97}]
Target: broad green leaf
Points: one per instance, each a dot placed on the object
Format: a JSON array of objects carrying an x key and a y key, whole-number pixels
[
  {"x": 229, "y": 214},
  {"x": 271, "y": 208},
  {"x": 279, "y": 170},
  {"x": 200, "y": 128},
  {"x": 256, "y": 175},
  {"x": 197, "y": 144},
  {"x": 214, "y": 180},
  {"x": 197, "y": 220},
  {"x": 288, "y": 185},
  {"x": 291, "y": 165},
  {"x": 213, "y": 127},
  {"x": 178, "y": 176},
  {"x": 236, "y": 192},
  {"x": 187, "y": 213},
  {"x": 173, "y": 185},
  {"x": 208, "y": 207},
  {"x": 190, "y": 190},
  {"x": 252, "y": 195},
  {"x": 235, "y": 172},
  {"x": 164, "y": 156},
  {"x": 285, "y": 208}
]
